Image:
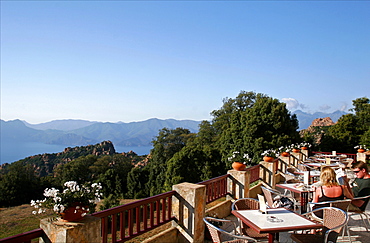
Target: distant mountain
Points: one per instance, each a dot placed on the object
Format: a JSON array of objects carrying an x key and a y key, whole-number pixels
[
  {"x": 134, "y": 133},
  {"x": 63, "y": 125},
  {"x": 305, "y": 119},
  {"x": 79, "y": 132},
  {"x": 17, "y": 131}
]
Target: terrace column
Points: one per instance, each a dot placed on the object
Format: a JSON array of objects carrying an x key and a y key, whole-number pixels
[
  {"x": 304, "y": 154},
  {"x": 86, "y": 230},
  {"x": 361, "y": 157},
  {"x": 238, "y": 184},
  {"x": 189, "y": 208},
  {"x": 286, "y": 160},
  {"x": 268, "y": 171},
  {"x": 298, "y": 156}
]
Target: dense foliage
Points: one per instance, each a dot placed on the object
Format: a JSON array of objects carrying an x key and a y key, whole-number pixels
[{"x": 21, "y": 181}]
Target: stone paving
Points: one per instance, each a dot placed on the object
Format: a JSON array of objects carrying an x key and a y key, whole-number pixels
[{"x": 357, "y": 230}]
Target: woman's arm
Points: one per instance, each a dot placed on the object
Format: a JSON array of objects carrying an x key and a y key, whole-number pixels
[{"x": 316, "y": 195}]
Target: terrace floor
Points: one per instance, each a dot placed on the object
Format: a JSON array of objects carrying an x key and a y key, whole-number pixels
[{"x": 357, "y": 230}]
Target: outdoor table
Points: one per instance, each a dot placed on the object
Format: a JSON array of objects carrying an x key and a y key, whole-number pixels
[
  {"x": 322, "y": 164},
  {"x": 330, "y": 155},
  {"x": 324, "y": 160},
  {"x": 313, "y": 174},
  {"x": 276, "y": 220},
  {"x": 303, "y": 193}
]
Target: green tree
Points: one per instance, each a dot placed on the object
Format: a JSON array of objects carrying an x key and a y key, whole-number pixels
[
  {"x": 252, "y": 123},
  {"x": 20, "y": 185},
  {"x": 341, "y": 136},
  {"x": 77, "y": 170},
  {"x": 166, "y": 144},
  {"x": 350, "y": 130},
  {"x": 137, "y": 180},
  {"x": 111, "y": 171}
]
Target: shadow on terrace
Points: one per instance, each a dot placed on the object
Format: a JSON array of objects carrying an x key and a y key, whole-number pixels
[{"x": 181, "y": 209}]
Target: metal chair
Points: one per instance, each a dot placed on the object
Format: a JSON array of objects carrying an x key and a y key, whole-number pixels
[
  {"x": 272, "y": 194},
  {"x": 333, "y": 221},
  {"x": 361, "y": 212},
  {"x": 219, "y": 235},
  {"x": 247, "y": 204},
  {"x": 342, "y": 204}
]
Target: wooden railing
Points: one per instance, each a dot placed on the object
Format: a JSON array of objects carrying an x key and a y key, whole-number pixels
[
  {"x": 215, "y": 188},
  {"x": 26, "y": 237},
  {"x": 130, "y": 220},
  {"x": 255, "y": 173},
  {"x": 266, "y": 175},
  {"x": 281, "y": 165}
]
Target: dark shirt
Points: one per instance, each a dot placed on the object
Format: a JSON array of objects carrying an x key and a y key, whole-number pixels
[{"x": 361, "y": 188}]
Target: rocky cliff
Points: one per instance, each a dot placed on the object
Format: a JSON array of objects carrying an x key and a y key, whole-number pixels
[
  {"x": 44, "y": 164},
  {"x": 318, "y": 128}
]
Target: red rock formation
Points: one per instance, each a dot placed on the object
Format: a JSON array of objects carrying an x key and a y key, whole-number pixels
[{"x": 320, "y": 122}]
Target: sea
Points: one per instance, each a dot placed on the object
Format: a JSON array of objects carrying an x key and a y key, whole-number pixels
[{"x": 11, "y": 152}]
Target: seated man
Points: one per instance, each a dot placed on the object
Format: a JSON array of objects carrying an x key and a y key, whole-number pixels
[{"x": 361, "y": 185}]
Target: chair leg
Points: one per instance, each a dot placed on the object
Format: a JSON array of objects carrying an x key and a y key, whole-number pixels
[
  {"x": 368, "y": 221},
  {"x": 363, "y": 220},
  {"x": 346, "y": 228}
]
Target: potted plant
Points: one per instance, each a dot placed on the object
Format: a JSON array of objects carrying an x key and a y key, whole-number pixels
[
  {"x": 296, "y": 148},
  {"x": 284, "y": 151},
  {"x": 361, "y": 148},
  {"x": 270, "y": 155},
  {"x": 239, "y": 161},
  {"x": 72, "y": 204},
  {"x": 305, "y": 145}
]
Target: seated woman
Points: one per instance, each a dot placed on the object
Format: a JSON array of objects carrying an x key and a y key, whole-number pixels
[{"x": 329, "y": 190}]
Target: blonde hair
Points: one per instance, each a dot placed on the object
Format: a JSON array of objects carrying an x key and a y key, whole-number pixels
[{"x": 328, "y": 177}]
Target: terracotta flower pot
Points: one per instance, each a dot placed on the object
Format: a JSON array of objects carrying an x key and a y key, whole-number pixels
[
  {"x": 268, "y": 159},
  {"x": 238, "y": 166},
  {"x": 296, "y": 150},
  {"x": 285, "y": 154},
  {"x": 74, "y": 213},
  {"x": 304, "y": 148},
  {"x": 361, "y": 150}
]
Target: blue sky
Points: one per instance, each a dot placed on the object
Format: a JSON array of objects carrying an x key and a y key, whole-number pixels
[{"x": 131, "y": 61}]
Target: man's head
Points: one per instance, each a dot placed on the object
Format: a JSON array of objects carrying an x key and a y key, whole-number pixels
[{"x": 360, "y": 168}]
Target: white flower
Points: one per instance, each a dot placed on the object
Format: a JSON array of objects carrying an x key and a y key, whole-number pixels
[{"x": 50, "y": 192}]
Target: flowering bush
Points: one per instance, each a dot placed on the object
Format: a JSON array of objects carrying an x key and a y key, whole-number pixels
[
  {"x": 362, "y": 146},
  {"x": 271, "y": 153},
  {"x": 305, "y": 144},
  {"x": 237, "y": 157},
  {"x": 73, "y": 193},
  {"x": 287, "y": 148}
]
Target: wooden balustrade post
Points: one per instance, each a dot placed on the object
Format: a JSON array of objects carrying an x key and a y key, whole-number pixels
[
  {"x": 298, "y": 156},
  {"x": 304, "y": 154},
  {"x": 271, "y": 169},
  {"x": 361, "y": 157},
  {"x": 86, "y": 230},
  {"x": 286, "y": 161},
  {"x": 239, "y": 183},
  {"x": 188, "y": 206}
]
